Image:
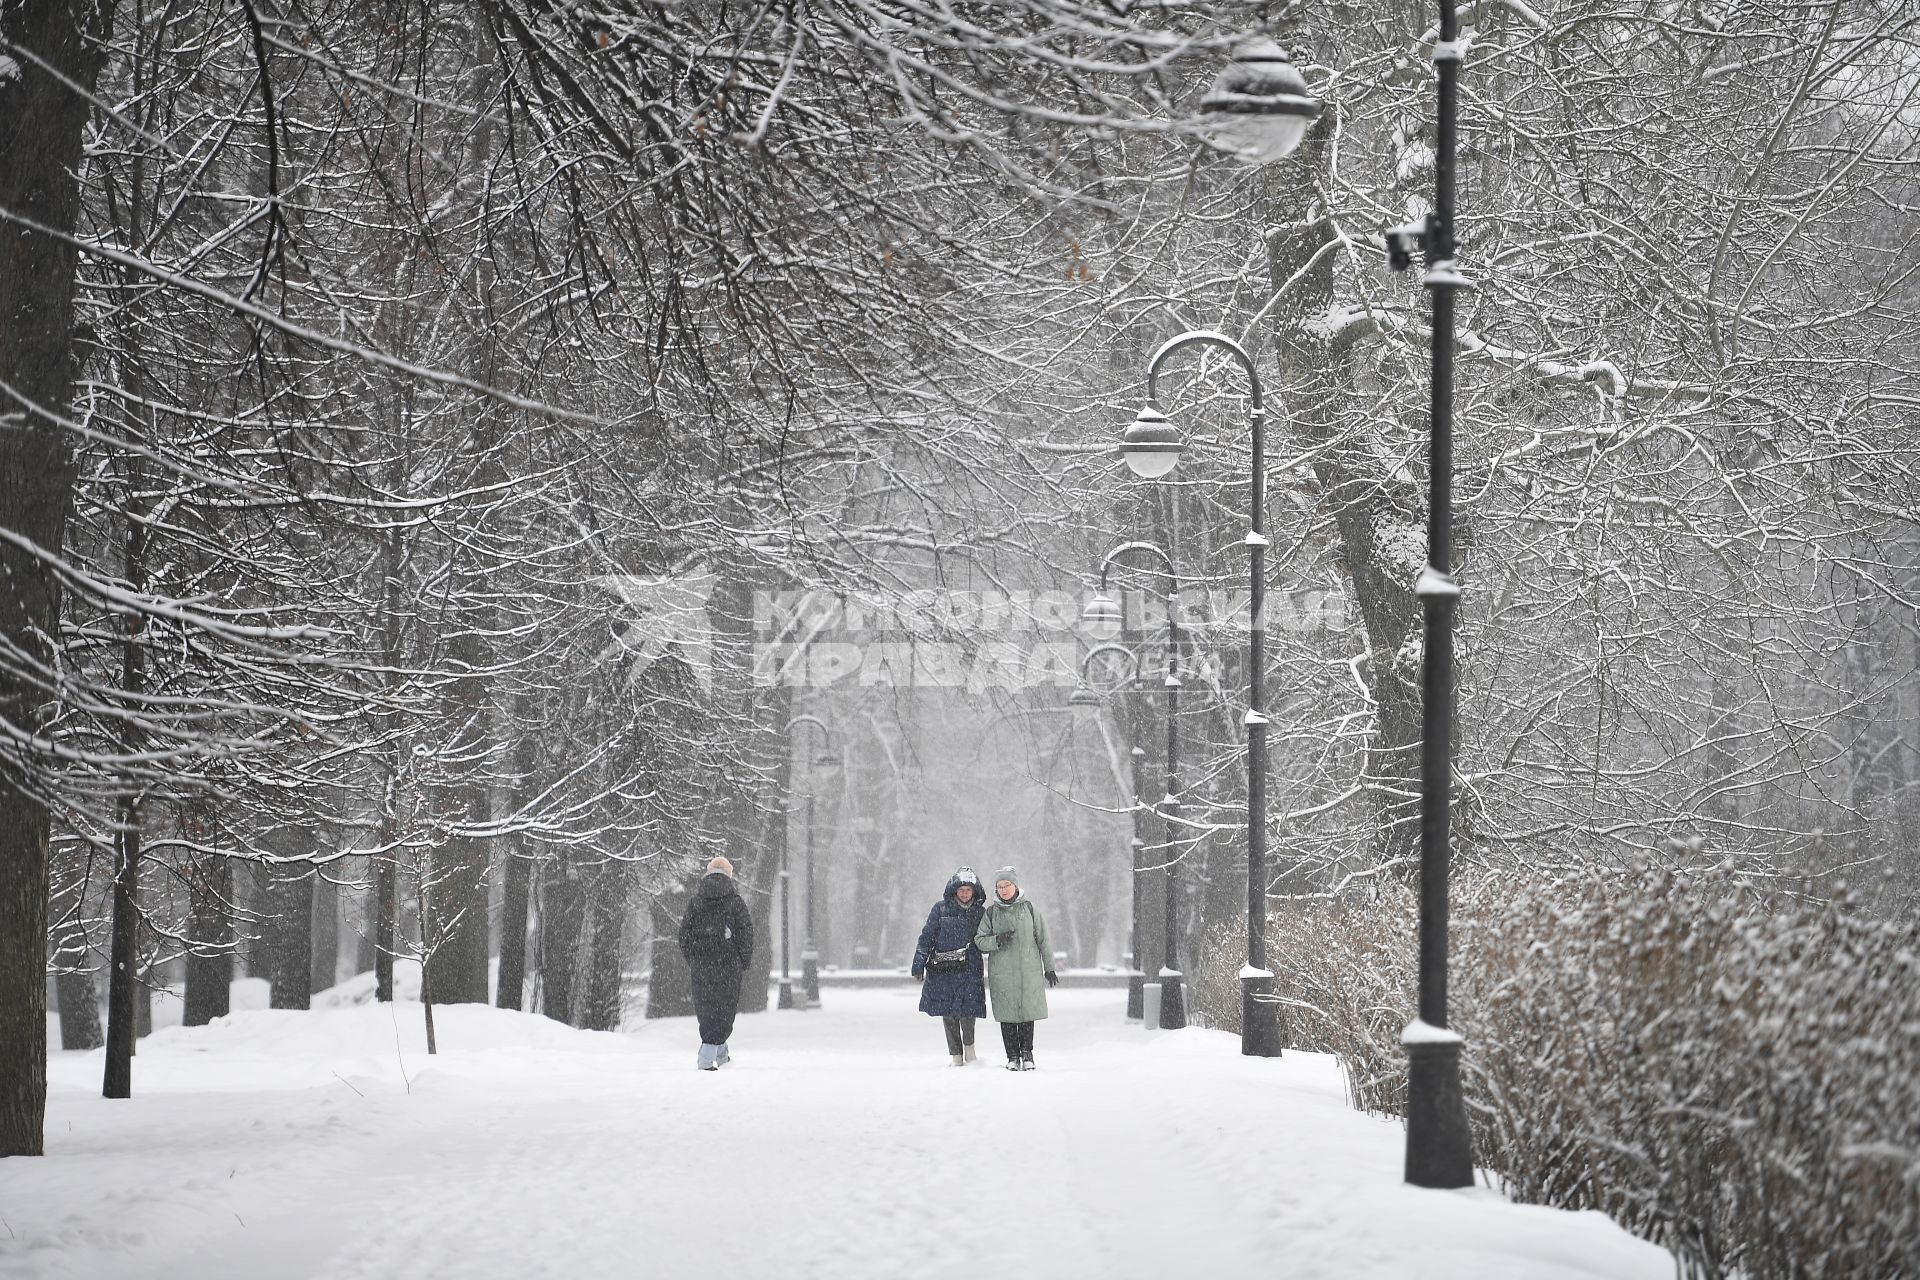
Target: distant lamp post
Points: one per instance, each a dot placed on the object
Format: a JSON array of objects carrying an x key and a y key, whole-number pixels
[
  {"x": 809, "y": 953},
  {"x": 784, "y": 1000},
  {"x": 1439, "y": 1142},
  {"x": 1086, "y": 700},
  {"x": 1136, "y": 976},
  {"x": 1173, "y": 1005}
]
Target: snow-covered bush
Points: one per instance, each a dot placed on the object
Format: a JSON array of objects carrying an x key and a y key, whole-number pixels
[{"x": 1734, "y": 1077}]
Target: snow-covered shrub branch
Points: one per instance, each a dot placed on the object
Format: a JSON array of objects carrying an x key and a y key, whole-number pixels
[{"x": 1724, "y": 1068}]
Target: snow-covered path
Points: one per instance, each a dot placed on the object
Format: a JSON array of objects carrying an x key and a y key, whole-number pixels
[{"x": 838, "y": 1145}]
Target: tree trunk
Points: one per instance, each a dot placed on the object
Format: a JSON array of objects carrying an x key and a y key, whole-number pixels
[
  {"x": 513, "y": 933},
  {"x": 1376, "y": 516},
  {"x": 143, "y": 988},
  {"x": 73, "y": 985},
  {"x": 122, "y": 973},
  {"x": 326, "y": 933},
  {"x": 42, "y": 115},
  {"x": 79, "y": 1010},
  {"x": 518, "y": 874},
  {"x": 385, "y": 907},
  {"x": 562, "y": 915},
  {"x": 23, "y": 931},
  {"x": 289, "y": 928},
  {"x": 670, "y": 988},
  {"x": 129, "y": 1000},
  {"x": 210, "y": 958},
  {"x": 386, "y": 878},
  {"x": 457, "y": 965},
  {"x": 600, "y": 1003},
  {"x": 462, "y": 891},
  {"x": 366, "y": 924}
]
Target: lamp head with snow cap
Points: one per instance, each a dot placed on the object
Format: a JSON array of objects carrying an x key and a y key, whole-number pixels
[
  {"x": 1259, "y": 106},
  {"x": 1151, "y": 444}
]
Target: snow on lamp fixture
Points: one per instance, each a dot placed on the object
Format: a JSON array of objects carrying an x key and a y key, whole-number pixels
[
  {"x": 1151, "y": 445},
  {"x": 1259, "y": 107}
]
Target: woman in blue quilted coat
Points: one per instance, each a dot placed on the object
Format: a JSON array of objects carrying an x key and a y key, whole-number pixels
[{"x": 953, "y": 985}]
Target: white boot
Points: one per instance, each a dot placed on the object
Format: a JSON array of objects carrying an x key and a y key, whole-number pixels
[
  {"x": 721, "y": 1057},
  {"x": 966, "y": 1055},
  {"x": 709, "y": 1055},
  {"x": 959, "y": 1061}
]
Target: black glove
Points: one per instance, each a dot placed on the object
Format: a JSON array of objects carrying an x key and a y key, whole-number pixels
[
  {"x": 1004, "y": 938},
  {"x": 919, "y": 975},
  {"x": 1053, "y": 979}
]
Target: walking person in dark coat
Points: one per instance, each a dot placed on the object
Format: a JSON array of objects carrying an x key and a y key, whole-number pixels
[
  {"x": 948, "y": 963},
  {"x": 1012, "y": 932},
  {"x": 716, "y": 937}
]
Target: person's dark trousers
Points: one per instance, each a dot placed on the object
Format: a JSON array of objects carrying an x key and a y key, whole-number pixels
[
  {"x": 1018, "y": 1038},
  {"x": 716, "y": 999},
  {"x": 959, "y": 1034}
]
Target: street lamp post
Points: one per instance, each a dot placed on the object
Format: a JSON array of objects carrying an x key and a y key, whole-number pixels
[
  {"x": 809, "y": 953},
  {"x": 1151, "y": 448},
  {"x": 1136, "y": 976},
  {"x": 809, "y": 949},
  {"x": 785, "y": 999},
  {"x": 1439, "y": 1143},
  {"x": 1100, "y": 609},
  {"x": 1259, "y": 109}
]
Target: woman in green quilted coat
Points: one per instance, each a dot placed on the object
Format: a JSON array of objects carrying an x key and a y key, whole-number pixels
[{"x": 1019, "y": 966}]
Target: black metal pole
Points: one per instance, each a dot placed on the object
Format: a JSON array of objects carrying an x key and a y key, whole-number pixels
[
  {"x": 785, "y": 1000},
  {"x": 1439, "y": 1148},
  {"x": 809, "y": 954},
  {"x": 1261, "y": 1033},
  {"x": 1136, "y": 999},
  {"x": 1173, "y": 1002}
]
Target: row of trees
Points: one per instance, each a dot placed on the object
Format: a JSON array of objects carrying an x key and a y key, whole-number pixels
[{"x": 359, "y": 362}]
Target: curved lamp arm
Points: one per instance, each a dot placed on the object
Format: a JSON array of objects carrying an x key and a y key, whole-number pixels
[
  {"x": 1166, "y": 561},
  {"x": 1203, "y": 338},
  {"x": 817, "y": 723},
  {"x": 826, "y": 743},
  {"x": 1086, "y": 659},
  {"x": 1173, "y": 596}
]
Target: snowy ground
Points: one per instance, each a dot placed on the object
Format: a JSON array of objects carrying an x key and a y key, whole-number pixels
[{"x": 839, "y": 1145}]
